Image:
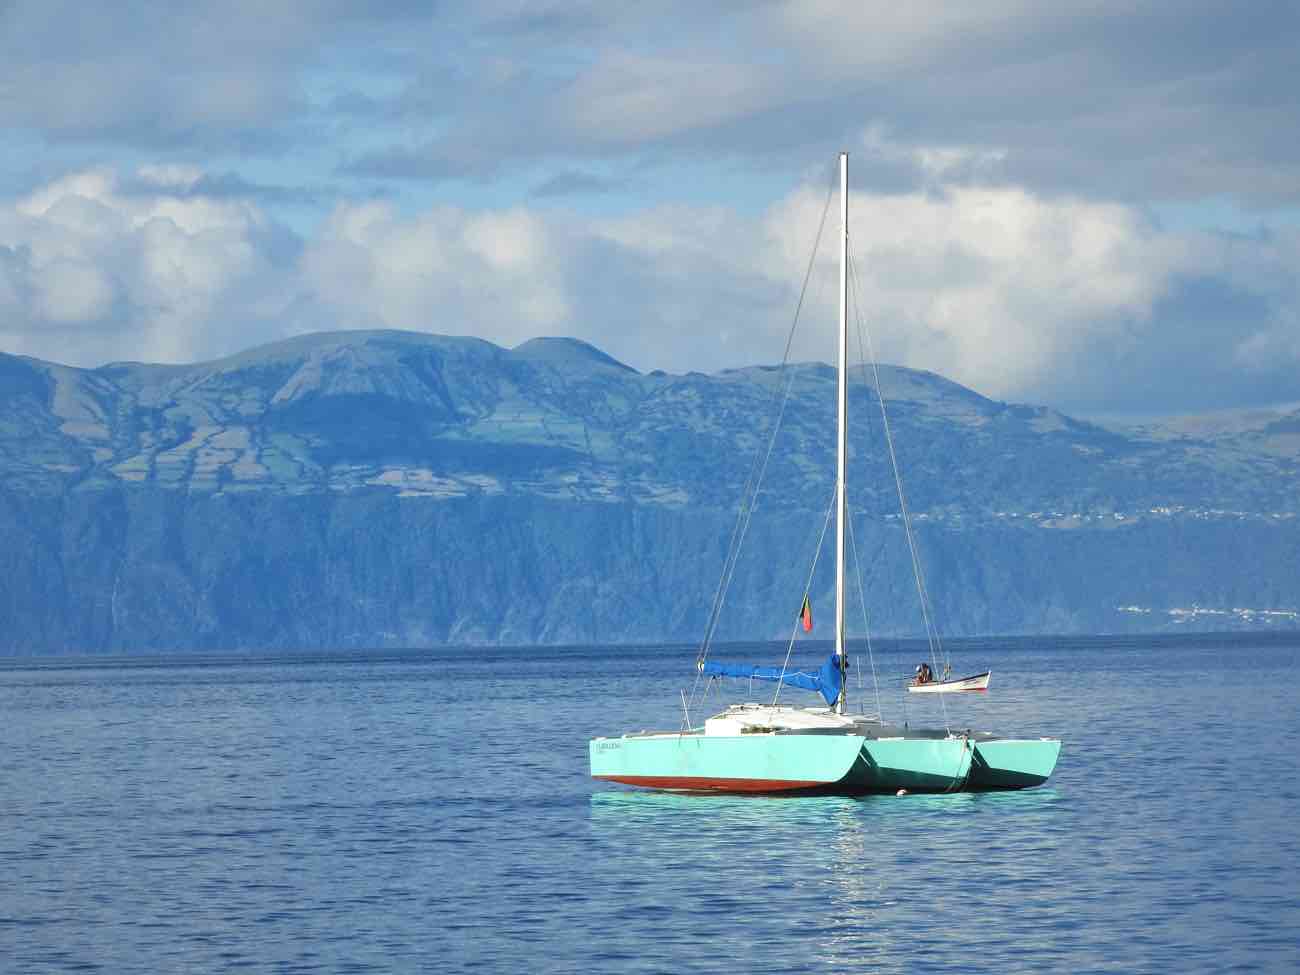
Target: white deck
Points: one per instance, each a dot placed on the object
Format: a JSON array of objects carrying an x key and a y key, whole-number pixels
[{"x": 748, "y": 719}]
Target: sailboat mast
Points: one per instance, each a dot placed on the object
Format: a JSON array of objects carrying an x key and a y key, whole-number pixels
[{"x": 842, "y": 452}]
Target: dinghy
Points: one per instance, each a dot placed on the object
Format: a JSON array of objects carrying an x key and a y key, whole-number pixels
[{"x": 980, "y": 682}]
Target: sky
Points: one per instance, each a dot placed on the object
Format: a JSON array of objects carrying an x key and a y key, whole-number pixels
[{"x": 1090, "y": 205}]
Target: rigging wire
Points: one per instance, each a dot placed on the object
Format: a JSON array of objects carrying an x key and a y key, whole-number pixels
[
  {"x": 749, "y": 497},
  {"x": 821, "y": 542},
  {"x": 866, "y": 629},
  {"x": 931, "y": 630},
  {"x": 865, "y": 584}
]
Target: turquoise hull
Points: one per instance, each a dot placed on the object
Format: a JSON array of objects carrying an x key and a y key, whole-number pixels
[
  {"x": 1013, "y": 763},
  {"x": 913, "y": 764},
  {"x": 848, "y": 764},
  {"x": 841, "y": 763}
]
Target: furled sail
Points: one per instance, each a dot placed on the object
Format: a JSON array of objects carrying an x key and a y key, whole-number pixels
[{"x": 825, "y": 681}]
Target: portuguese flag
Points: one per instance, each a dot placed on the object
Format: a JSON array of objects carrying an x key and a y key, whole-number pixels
[{"x": 805, "y": 614}]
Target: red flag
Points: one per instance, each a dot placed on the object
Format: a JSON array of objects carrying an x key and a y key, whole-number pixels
[{"x": 805, "y": 614}]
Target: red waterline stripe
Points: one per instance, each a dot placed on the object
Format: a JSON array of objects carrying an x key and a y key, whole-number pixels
[{"x": 705, "y": 783}]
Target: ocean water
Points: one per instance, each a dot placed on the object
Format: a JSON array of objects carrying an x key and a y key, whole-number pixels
[{"x": 431, "y": 811}]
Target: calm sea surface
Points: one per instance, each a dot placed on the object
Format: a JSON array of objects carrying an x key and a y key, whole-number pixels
[{"x": 431, "y": 811}]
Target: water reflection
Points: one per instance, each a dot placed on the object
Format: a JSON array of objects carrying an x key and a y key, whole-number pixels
[
  {"x": 623, "y": 807},
  {"x": 876, "y": 883}
]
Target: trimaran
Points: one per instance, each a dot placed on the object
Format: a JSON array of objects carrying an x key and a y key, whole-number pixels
[{"x": 757, "y": 748}]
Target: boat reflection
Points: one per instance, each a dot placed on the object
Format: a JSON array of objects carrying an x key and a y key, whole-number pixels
[
  {"x": 629, "y": 804},
  {"x": 879, "y": 882}
]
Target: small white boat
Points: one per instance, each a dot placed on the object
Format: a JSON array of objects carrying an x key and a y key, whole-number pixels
[{"x": 980, "y": 682}]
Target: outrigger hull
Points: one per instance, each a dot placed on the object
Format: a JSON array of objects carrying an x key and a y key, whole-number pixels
[
  {"x": 1013, "y": 763},
  {"x": 783, "y": 763}
]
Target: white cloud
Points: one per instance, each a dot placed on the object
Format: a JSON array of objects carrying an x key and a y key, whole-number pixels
[
  {"x": 72, "y": 292},
  {"x": 1016, "y": 294},
  {"x": 493, "y": 274},
  {"x": 143, "y": 274},
  {"x": 996, "y": 287}
]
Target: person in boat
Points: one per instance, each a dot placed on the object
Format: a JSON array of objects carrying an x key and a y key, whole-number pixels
[{"x": 923, "y": 673}]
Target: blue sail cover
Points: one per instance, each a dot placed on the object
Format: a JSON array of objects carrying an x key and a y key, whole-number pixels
[{"x": 826, "y": 680}]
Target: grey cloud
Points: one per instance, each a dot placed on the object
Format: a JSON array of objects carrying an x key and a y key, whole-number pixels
[
  {"x": 101, "y": 269},
  {"x": 226, "y": 77},
  {"x": 1184, "y": 360},
  {"x": 1171, "y": 101},
  {"x": 1130, "y": 102},
  {"x": 230, "y": 185},
  {"x": 571, "y": 182},
  {"x": 427, "y": 164},
  {"x": 679, "y": 311},
  {"x": 140, "y": 74}
]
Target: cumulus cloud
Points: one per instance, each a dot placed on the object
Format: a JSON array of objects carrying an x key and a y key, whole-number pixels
[
  {"x": 1018, "y": 294},
  {"x": 493, "y": 274},
  {"x": 71, "y": 291},
  {"x": 998, "y": 287},
  {"x": 1058, "y": 299},
  {"x": 99, "y": 272}
]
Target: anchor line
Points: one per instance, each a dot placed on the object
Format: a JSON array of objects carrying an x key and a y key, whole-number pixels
[{"x": 959, "y": 781}]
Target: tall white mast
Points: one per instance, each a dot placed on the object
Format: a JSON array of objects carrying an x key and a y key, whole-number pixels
[{"x": 841, "y": 500}]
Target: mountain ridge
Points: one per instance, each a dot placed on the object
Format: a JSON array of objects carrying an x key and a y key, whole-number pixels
[{"x": 594, "y": 485}]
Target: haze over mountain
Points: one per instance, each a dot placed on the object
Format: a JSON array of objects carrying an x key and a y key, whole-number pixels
[{"x": 389, "y": 488}]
